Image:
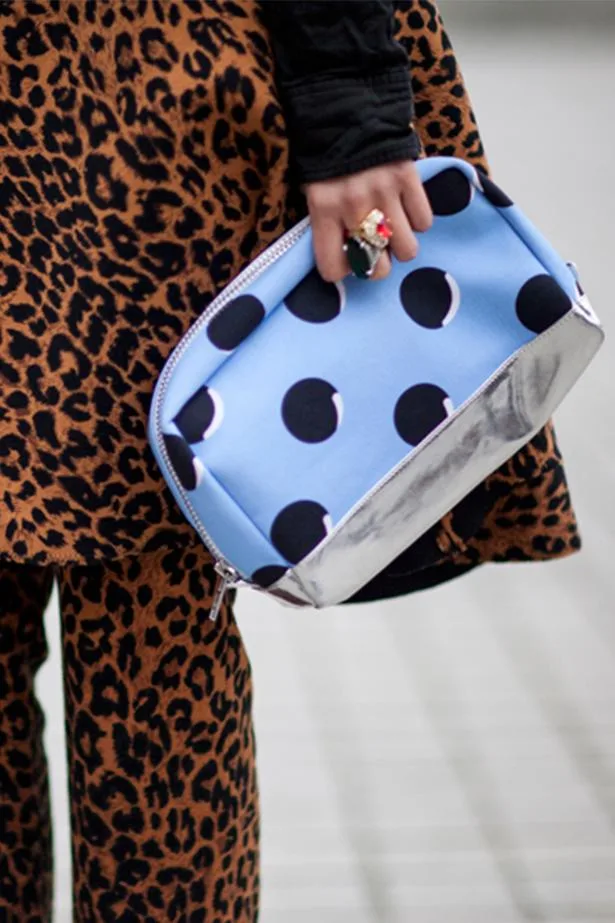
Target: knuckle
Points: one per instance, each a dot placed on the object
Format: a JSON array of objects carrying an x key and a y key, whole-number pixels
[
  {"x": 352, "y": 203},
  {"x": 388, "y": 190},
  {"x": 322, "y": 205},
  {"x": 388, "y": 180},
  {"x": 320, "y": 198},
  {"x": 402, "y": 170}
]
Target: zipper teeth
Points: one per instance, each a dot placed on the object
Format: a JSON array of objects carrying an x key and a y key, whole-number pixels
[{"x": 247, "y": 276}]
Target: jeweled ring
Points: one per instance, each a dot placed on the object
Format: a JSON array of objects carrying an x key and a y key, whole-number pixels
[
  {"x": 376, "y": 229},
  {"x": 365, "y": 245}
]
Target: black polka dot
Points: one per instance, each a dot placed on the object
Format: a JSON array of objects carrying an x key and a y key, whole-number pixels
[
  {"x": 199, "y": 415},
  {"x": 430, "y": 297},
  {"x": 492, "y": 192},
  {"x": 420, "y": 410},
  {"x": 541, "y": 302},
  {"x": 299, "y": 528},
  {"x": 315, "y": 300},
  {"x": 186, "y": 465},
  {"x": 268, "y": 575},
  {"x": 235, "y": 322},
  {"x": 449, "y": 192},
  {"x": 311, "y": 410}
]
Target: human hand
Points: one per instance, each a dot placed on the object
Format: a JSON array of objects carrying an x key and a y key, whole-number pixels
[{"x": 342, "y": 203}]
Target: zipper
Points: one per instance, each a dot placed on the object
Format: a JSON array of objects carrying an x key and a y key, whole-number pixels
[
  {"x": 228, "y": 575},
  {"x": 226, "y": 579}
]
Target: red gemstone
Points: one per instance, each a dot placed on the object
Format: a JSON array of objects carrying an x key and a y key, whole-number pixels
[{"x": 384, "y": 228}]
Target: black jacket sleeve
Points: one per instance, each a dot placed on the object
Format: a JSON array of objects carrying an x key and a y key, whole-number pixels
[{"x": 344, "y": 84}]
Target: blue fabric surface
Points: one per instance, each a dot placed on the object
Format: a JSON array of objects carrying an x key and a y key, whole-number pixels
[{"x": 326, "y": 390}]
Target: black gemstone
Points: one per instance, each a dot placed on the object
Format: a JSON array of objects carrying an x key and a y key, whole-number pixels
[{"x": 358, "y": 257}]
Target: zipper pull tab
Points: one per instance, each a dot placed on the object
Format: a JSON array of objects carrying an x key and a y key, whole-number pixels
[{"x": 225, "y": 580}]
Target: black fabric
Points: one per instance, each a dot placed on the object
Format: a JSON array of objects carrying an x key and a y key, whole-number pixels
[
  {"x": 384, "y": 586},
  {"x": 344, "y": 83},
  {"x": 423, "y": 564}
]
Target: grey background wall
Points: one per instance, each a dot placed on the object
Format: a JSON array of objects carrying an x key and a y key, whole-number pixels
[{"x": 451, "y": 758}]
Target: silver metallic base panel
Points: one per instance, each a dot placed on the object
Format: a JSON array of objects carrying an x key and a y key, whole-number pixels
[{"x": 472, "y": 443}]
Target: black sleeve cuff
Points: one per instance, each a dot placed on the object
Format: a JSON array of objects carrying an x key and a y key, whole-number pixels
[
  {"x": 340, "y": 125},
  {"x": 344, "y": 84}
]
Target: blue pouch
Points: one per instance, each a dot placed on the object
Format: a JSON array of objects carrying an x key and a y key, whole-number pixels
[{"x": 312, "y": 431}]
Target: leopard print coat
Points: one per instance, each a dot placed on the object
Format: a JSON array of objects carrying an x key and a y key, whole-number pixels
[{"x": 143, "y": 163}]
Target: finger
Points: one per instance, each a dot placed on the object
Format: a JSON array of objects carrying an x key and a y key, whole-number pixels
[
  {"x": 382, "y": 267},
  {"x": 416, "y": 204},
  {"x": 404, "y": 244},
  {"x": 328, "y": 242}
]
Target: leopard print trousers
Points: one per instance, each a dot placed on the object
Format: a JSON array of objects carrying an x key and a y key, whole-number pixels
[{"x": 162, "y": 778}]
